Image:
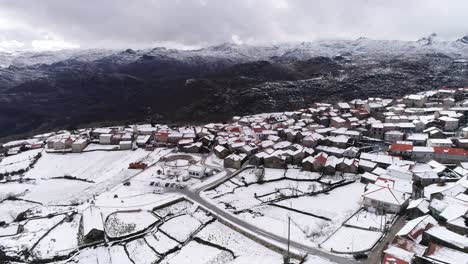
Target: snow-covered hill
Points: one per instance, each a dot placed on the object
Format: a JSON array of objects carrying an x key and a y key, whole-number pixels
[{"x": 303, "y": 50}]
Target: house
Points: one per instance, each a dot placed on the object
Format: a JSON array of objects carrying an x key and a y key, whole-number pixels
[
  {"x": 351, "y": 152},
  {"x": 308, "y": 163},
  {"x": 97, "y": 132},
  {"x": 377, "y": 130},
  {"x": 105, "y": 139},
  {"x": 275, "y": 160},
  {"x": 192, "y": 148},
  {"x": 258, "y": 158},
  {"x": 402, "y": 251},
  {"x": 384, "y": 199},
  {"x": 448, "y": 123},
  {"x": 450, "y": 155},
  {"x": 330, "y": 165},
  {"x": 337, "y": 122},
  {"x": 346, "y": 165},
  {"x": 142, "y": 140},
  {"x": 221, "y": 152},
  {"x": 403, "y": 150},
  {"x": 196, "y": 171},
  {"x": 368, "y": 177},
  {"x": 417, "y": 208},
  {"x": 319, "y": 161},
  {"x": 366, "y": 165},
  {"x": 414, "y": 229},
  {"x": 439, "y": 254},
  {"x": 393, "y": 136},
  {"x": 126, "y": 145},
  {"x": 418, "y": 139},
  {"x": 235, "y": 160},
  {"x": 79, "y": 144},
  {"x": 439, "y": 142},
  {"x": 340, "y": 141},
  {"x": 422, "y": 154},
  {"x": 444, "y": 237},
  {"x": 311, "y": 140},
  {"x": 91, "y": 228},
  {"x": 343, "y": 107}
]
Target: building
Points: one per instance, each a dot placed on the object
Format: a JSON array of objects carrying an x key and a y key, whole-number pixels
[
  {"x": 439, "y": 142},
  {"x": 275, "y": 160},
  {"x": 448, "y": 123},
  {"x": 384, "y": 199},
  {"x": 125, "y": 145},
  {"x": 196, "y": 171},
  {"x": 444, "y": 237},
  {"x": 79, "y": 144},
  {"x": 91, "y": 227},
  {"x": 221, "y": 152},
  {"x": 235, "y": 161},
  {"x": 105, "y": 139},
  {"x": 393, "y": 136}
]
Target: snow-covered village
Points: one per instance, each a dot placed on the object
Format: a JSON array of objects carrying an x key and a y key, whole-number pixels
[{"x": 373, "y": 181}]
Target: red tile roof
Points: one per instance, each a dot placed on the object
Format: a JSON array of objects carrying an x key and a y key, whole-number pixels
[
  {"x": 450, "y": 151},
  {"x": 401, "y": 147}
]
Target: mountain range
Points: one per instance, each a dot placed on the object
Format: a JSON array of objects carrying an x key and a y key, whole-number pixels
[{"x": 40, "y": 91}]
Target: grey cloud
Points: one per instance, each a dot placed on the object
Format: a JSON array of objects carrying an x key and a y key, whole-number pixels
[{"x": 123, "y": 23}]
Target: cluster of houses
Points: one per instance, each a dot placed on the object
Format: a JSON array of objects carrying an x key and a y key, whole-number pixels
[{"x": 438, "y": 227}]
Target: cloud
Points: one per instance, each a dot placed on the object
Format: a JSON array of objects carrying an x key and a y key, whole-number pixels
[{"x": 196, "y": 23}]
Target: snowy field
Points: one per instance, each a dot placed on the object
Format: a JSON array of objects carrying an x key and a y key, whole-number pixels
[
  {"x": 18, "y": 162},
  {"x": 349, "y": 240},
  {"x": 94, "y": 166},
  {"x": 283, "y": 194},
  {"x": 124, "y": 223}
]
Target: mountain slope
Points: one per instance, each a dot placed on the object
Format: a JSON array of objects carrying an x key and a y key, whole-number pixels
[{"x": 56, "y": 89}]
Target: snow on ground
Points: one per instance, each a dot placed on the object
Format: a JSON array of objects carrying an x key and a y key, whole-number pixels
[
  {"x": 275, "y": 220},
  {"x": 214, "y": 161},
  {"x": 180, "y": 227},
  {"x": 303, "y": 175},
  {"x": 369, "y": 220},
  {"x": 33, "y": 230},
  {"x": 124, "y": 223},
  {"x": 160, "y": 242},
  {"x": 244, "y": 197},
  {"x": 348, "y": 239},
  {"x": 219, "y": 234},
  {"x": 181, "y": 207},
  {"x": 272, "y": 174},
  {"x": 338, "y": 204},
  {"x": 317, "y": 260},
  {"x": 18, "y": 162},
  {"x": 118, "y": 255},
  {"x": 140, "y": 252},
  {"x": 53, "y": 191},
  {"x": 95, "y": 166},
  {"x": 98, "y": 255},
  {"x": 94, "y": 146},
  {"x": 60, "y": 241},
  {"x": 9, "y": 209},
  {"x": 13, "y": 189},
  {"x": 195, "y": 252},
  {"x": 260, "y": 260},
  {"x": 9, "y": 230}
]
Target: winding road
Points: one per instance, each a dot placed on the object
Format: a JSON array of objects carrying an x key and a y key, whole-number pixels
[{"x": 259, "y": 233}]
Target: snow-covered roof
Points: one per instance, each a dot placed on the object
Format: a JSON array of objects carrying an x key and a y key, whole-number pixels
[
  {"x": 385, "y": 194},
  {"x": 448, "y": 236},
  {"x": 92, "y": 219}
]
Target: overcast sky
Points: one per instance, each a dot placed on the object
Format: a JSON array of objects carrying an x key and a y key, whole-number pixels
[{"x": 51, "y": 24}]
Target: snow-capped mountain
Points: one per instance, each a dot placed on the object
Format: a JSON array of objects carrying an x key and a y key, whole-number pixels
[{"x": 45, "y": 90}]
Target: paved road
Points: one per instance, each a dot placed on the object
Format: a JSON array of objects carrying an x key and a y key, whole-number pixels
[
  {"x": 262, "y": 234},
  {"x": 376, "y": 255}
]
